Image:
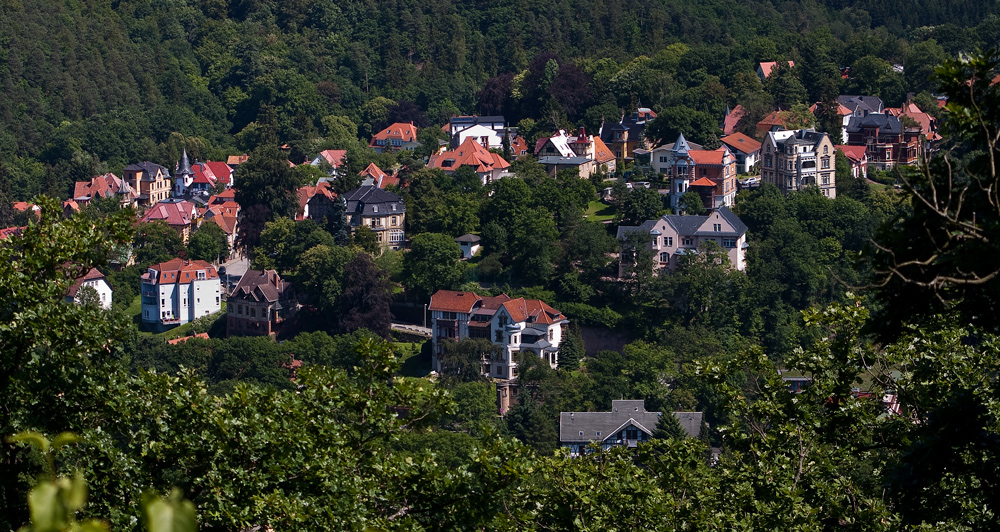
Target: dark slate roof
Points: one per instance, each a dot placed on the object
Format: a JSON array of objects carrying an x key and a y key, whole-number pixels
[
  {"x": 885, "y": 122},
  {"x": 263, "y": 285},
  {"x": 599, "y": 426},
  {"x": 688, "y": 225},
  {"x": 564, "y": 161},
  {"x": 148, "y": 170},
  {"x": 468, "y": 238},
  {"x": 473, "y": 120},
  {"x": 626, "y": 229},
  {"x": 371, "y": 201},
  {"x": 862, "y": 104}
]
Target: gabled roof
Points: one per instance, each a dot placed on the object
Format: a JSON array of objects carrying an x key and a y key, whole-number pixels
[
  {"x": 707, "y": 157},
  {"x": 174, "y": 212},
  {"x": 263, "y": 285},
  {"x": 91, "y": 275},
  {"x": 732, "y": 119},
  {"x": 469, "y": 153},
  {"x": 211, "y": 172},
  {"x": 861, "y": 104},
  {"x": 601, "y": 152},
  {"x": 855, "y": 154},
  {"x": 398, "y": 131},
  {"x": 767, "y": 67},
  {"x": 148, "y": 170},
  {"x": 334, "y": 158},
  {"x": 452, "y": 301},
  {"x": 583, "y": 427},
  {"x": 532, "y": 311},
  {"x": 703, "y": 182},
  {"x": 104, "y": 185},
  {"x": 741, "y": 142}
]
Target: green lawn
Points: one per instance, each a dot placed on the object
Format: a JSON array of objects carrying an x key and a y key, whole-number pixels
[{"x": 599, "y": 211}]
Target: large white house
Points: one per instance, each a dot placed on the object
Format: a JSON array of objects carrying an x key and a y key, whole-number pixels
[
  {"x": 674, "y": 236},
  {"x": 178, "y": 291},
  {"x": 515, "y": 325}
]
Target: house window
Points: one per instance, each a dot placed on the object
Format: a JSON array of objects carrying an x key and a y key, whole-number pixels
[
  {"x": 253, "y": 312},
  {"x": 552, "y": 334},
  {"x": 716, "y": 227},
  {"x": 728, "y": 242},
  {"x": 499, "y": 336},
  {"x": 826, "y": 179},
  {"x": 393, "y": 221},
  {"x": 663, "y": 158},
  {"x": 668, "y": 241},
  {"x": 239, "y": 309},
  {"x": 826, "y": 163},
  {"x": 664, "y": 257},
  {"x": 826, "y": 150},
  {"x": 687, "y": 242}
]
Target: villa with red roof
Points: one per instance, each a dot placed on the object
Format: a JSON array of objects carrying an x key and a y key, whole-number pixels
[
  {"x": 518, "y": 326},
  {"x": 316, "y": 202},
  {"x": 398, "y": 136},
  {"x": 488, "y": 165},
  {"x": 177, "y": 213},
  {"x": 179, "y": 291},
  {"x": 208, "y": 175},
  {"x": 223, "y": 210},
  {"x": 587, "y": 153},
  {"x": 683, "y": 164},
  {"x": 104, "y": 186}
]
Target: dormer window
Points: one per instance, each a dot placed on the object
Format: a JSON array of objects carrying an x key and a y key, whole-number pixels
[{"x": 374, "y": 208}]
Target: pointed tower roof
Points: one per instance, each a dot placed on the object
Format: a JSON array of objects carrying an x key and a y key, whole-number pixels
[
  {"x": 184, "y": 168},
  {"x": 681, "y": 146}
]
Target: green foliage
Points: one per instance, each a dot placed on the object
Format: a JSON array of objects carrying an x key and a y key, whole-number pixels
[
  {"x": 691, "y": 203},
  {"x": 208, "y": 243},
  {"x": 156, "y": 242},
  {"x": 432, "y": 264}
]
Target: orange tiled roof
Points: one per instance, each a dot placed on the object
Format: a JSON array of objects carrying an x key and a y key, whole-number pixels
[
  {"x": 397, "y": 131},
  {"x": 452, "y": 301},
  {"x": 741, "y": 142},
  {"x": 470, "y": 153},
  {"x": 704, "y": 182},
  {"x": 601, "y": 152},
  {"x": 768, "y": 66},
  {"x": 182, "y": 339},
  {"x": 707, "y": 157}
]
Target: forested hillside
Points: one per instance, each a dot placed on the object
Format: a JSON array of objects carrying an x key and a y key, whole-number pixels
[
  {"x": 880, "y": 301},
  {"x": 92, "y": 86}
]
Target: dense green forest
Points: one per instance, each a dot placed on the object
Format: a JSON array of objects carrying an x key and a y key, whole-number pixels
[
  {"x": 878, "y": 293},
  {"x": 92, "y": 86}
]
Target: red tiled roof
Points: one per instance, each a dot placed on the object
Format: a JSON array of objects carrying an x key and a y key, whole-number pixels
[
  {"x": 741, "y": 142},
  {"x": 704, "y": 182},
  {"x": 104, "y": 185},
  {"x": 706, "y": 157},
  {"x": 211, "y": 172},
  {"x": 237, "y": 159},
  {"x": 397, "y": 131},
  {"x": 517, "y": 145},
  {"x": 601, "y": 152},
  {"x": 175, "y": 213},
  {"x": 470, "y": 153},
  {"x": 452, "y": 301},
  {"x": 180, "y": 271},
  {"x": 853, "y": 153},
  {"x": 768, "y": 66},
  {"x": 532, "y": 310},
  {"x": 91, "y": 275},
  {"x": 731, "y": 120},
  {"x": 334, "y": 158}
]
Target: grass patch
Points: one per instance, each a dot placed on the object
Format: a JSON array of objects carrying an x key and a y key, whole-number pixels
[
  {"x": 598, "y": 211},
  {"x": 415, "y": 364}
]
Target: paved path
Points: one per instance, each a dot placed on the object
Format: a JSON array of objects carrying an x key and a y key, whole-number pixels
[{"x": 412, "y": 329}]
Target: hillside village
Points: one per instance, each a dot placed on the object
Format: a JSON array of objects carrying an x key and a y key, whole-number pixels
[{"x": 309, "y": 266}]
